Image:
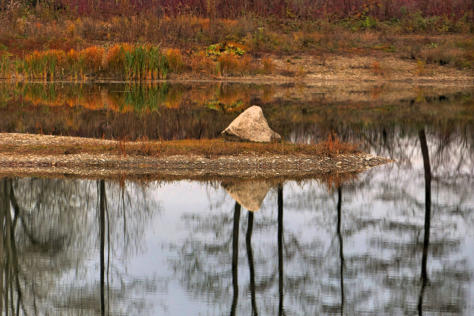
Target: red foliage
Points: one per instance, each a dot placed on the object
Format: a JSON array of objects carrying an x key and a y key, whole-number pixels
[{"x": 380, "y": 9}]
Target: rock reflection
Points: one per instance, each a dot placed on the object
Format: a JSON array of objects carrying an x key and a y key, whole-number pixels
[{"x": 249, "y": 193}]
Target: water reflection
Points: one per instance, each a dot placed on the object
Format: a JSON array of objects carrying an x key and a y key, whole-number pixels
[
  {"x": 51, "y": 229},
  {"x": 203, "y": 110},
  {"x": 396, "y": 240},
  {"x": 308, "y": 250}
]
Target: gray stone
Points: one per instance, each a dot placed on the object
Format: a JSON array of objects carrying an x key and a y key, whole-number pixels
[{"x": 251, "y": 125}]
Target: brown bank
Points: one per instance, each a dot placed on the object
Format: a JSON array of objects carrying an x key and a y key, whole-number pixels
[{"x": 43, "y": 155}]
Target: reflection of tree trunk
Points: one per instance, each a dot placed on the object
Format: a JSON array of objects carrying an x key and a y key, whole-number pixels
[
  {"x": 3, "y": 207},
  {"x": 235, "y": 258},
  {"x": 426, "y": 242},
  {"x": 341, "y": 249},
  {"x": 102, "y": 202},
  {"x": 10, "y": 269},
  {"x": 248, "y": 242},
  {"x": 280, "y": 248}
]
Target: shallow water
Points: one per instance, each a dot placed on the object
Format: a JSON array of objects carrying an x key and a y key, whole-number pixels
[{"x": 391, "y": 241}]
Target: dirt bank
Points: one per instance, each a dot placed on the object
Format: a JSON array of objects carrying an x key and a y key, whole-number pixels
[{"x": 33, "y": 155}]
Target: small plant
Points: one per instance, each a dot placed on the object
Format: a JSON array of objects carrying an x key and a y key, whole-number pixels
[
  {"x": 216, "y": 50},
  {"x": 333, "y": 146},
  {"x": 377, "y": 69},
  {"x": 420, "y": 67},
  {"x": 268, "y": 65}
]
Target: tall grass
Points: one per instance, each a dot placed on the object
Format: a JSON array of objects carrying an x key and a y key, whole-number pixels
[
  {"x": 5, "y": 65},
  {"x": 129, "y": 62},
  {"x": 137, "y": 62}
]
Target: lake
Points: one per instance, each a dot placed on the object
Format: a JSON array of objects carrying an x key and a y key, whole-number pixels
[{"x": 394, "y": 240}]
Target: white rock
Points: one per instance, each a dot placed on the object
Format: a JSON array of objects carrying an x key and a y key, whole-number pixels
[{"x": 251, "y": 125}]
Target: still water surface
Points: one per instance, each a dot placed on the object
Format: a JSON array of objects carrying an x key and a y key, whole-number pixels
[{"x": 397, "y": 240}]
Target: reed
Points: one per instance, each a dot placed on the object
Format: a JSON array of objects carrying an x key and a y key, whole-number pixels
[
  {"x": 5, "y": 65},
  {"x": 145, "y": 62},
  {"x": 129, "y": 62}
]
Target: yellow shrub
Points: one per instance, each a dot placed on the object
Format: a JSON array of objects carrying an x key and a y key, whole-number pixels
[
  {"x": 93, "y": 58},
  {"x": 175, "y": 60},
  {"x": 268, "y": 65}
]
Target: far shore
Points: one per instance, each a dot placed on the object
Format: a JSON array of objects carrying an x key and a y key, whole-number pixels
[{"x": 334, "y": 69}]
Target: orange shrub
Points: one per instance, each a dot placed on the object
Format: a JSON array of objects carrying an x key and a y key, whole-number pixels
[
  {"x": 93, "y": 58},
  {"x": 175, "y": 60},
  {"x": 115, "y": 59},
  {"x": 199, "y": 63},
  {"x": 268, "y": 65},
  {"x": 231, "y": 64}
]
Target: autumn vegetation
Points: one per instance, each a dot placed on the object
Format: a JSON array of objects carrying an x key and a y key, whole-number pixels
[
  {"x": 202, "y": 147},
  {"x": 149, "y": 40}
]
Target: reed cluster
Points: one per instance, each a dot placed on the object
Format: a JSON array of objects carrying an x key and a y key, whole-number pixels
[
  {"x": 129, "y": 62},
  {"x": 124, "y": 61}
]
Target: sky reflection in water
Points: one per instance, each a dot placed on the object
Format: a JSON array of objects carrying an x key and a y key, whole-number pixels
[{"x": 392, "y": 241}]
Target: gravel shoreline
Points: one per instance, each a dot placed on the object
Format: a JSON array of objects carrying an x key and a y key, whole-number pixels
[{"x": 107, "y": 165}]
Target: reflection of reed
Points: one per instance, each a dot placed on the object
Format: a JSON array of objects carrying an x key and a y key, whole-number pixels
[{"x": 134, "y": 96}]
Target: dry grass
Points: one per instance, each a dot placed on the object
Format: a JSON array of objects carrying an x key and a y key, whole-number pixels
[{"x": 206, "y": 147}]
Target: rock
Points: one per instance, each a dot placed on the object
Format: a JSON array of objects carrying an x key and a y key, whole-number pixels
[
  {"x": 250, "y": 193},
  {"x": 251, "y": 125}
]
